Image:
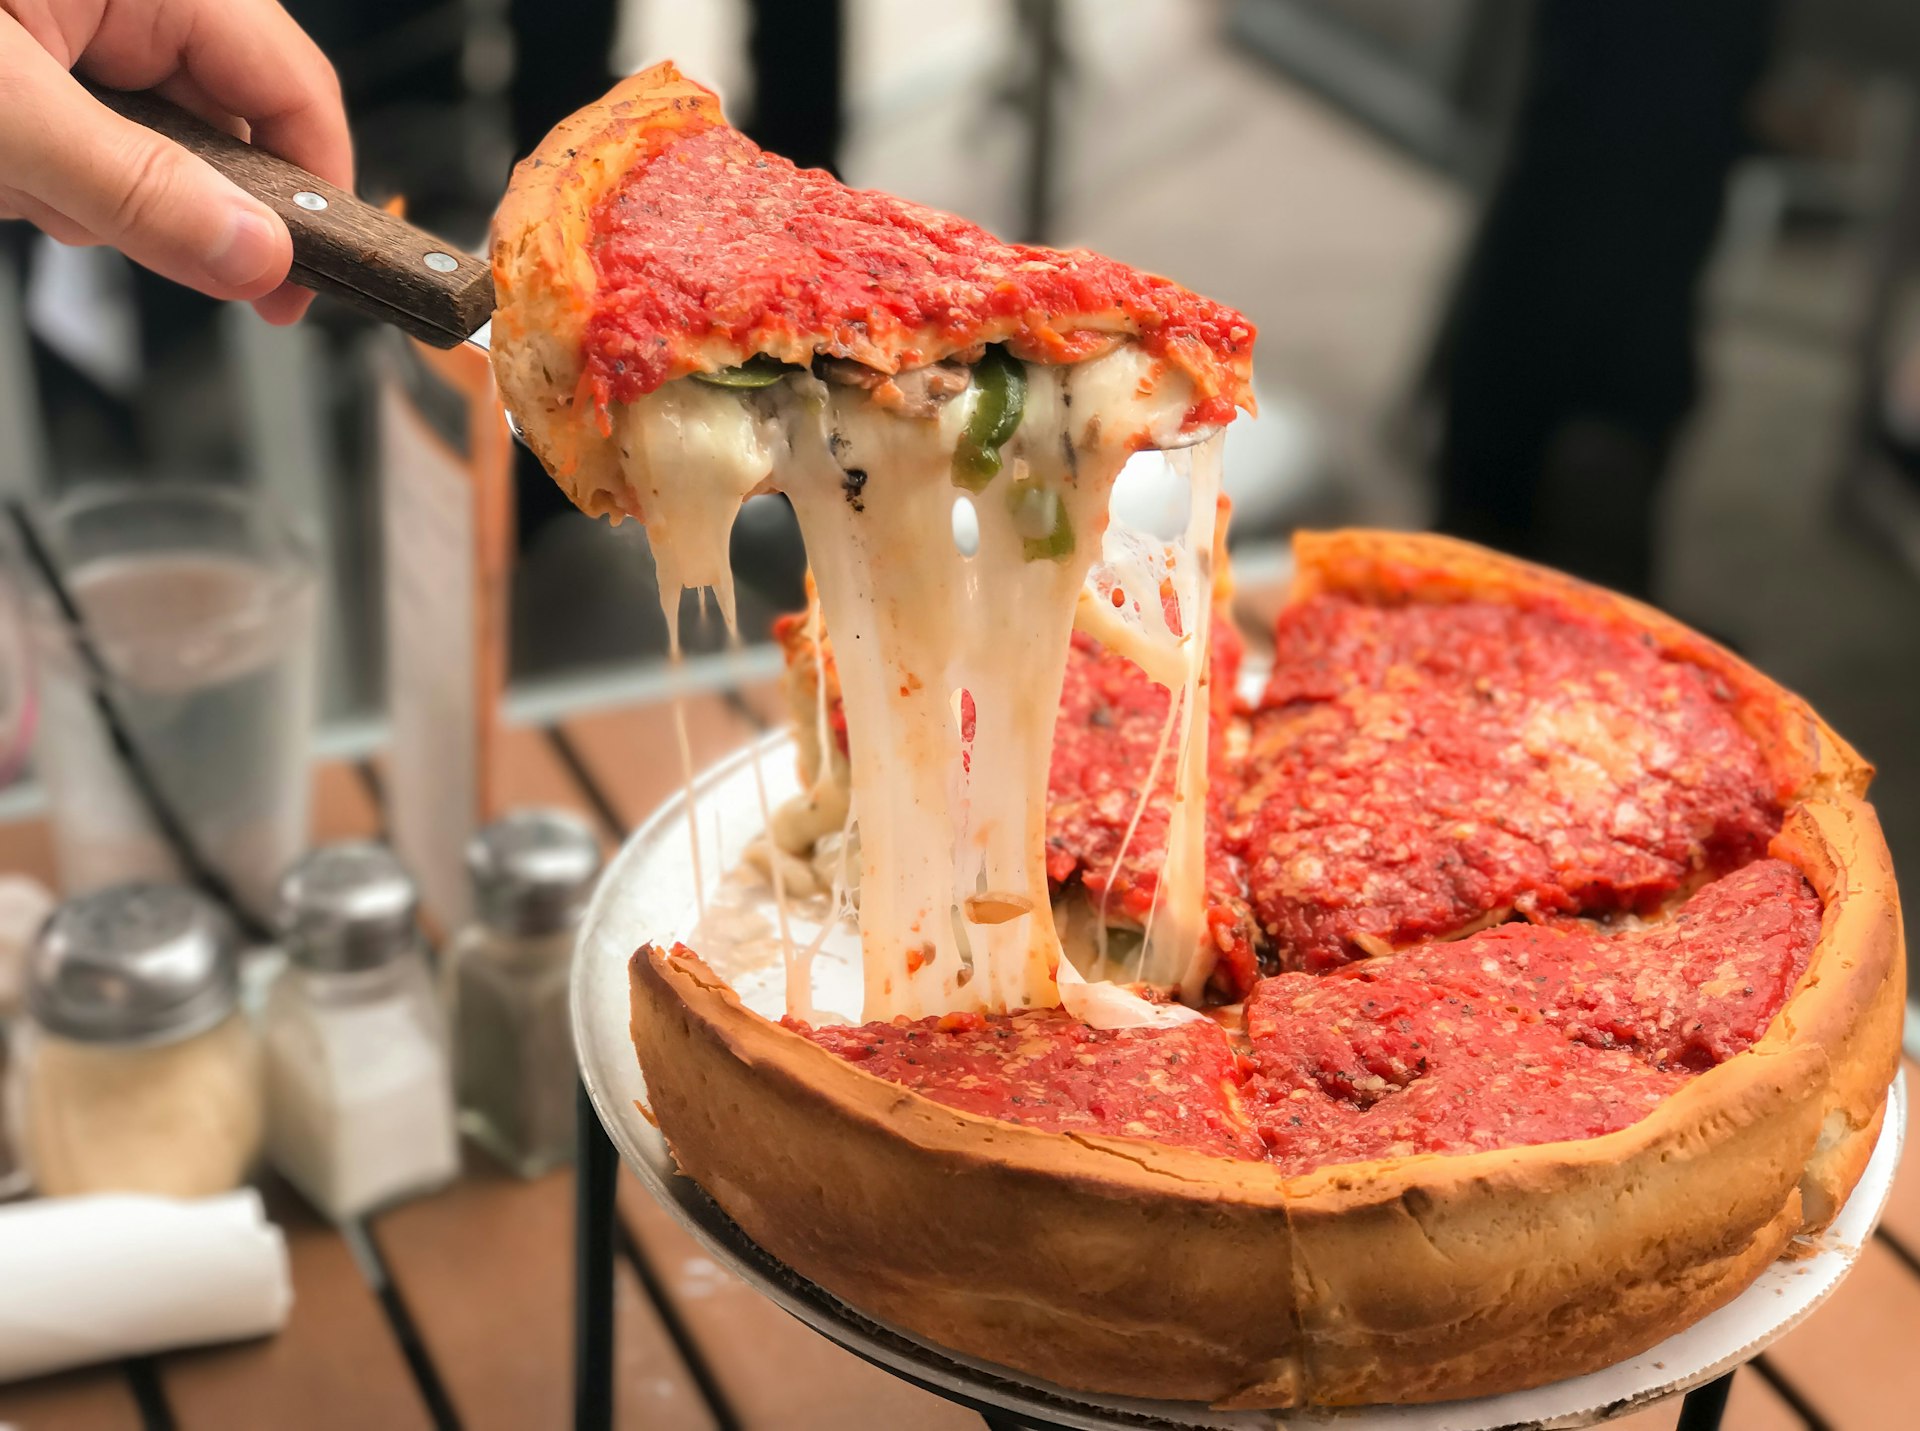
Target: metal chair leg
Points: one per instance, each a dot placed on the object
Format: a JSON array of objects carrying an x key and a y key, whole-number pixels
[
  {"x": 1704, "y": 1406},
  {"x": 596, "y": 1175}
]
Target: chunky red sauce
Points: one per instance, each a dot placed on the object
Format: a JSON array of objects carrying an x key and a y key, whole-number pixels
[
  {"x": 1046, "y": 1070},
  {"x": 1513, "y": 1036},
  {"x": 711, "y": 236},
  {"x": 1520, "y": 1034},
  {"x": 1687, "y": 992},
  {"x": 1415, "y": 768}
]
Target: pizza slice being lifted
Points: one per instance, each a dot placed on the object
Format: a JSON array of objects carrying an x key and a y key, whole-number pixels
[{"x": 684, "y": 321}]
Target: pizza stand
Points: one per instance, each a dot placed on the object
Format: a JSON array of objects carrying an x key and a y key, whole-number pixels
[{"x": 648, "y": 893}]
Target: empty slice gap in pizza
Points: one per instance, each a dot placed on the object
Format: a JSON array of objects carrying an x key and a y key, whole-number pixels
[{"x": 1495, "y": 994}]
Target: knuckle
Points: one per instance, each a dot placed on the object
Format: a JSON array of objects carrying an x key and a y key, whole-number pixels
[
  {"x": 143, "y": 181},
  {"x": 315, "y": 80},
  {"x": 327, "y": 80}
]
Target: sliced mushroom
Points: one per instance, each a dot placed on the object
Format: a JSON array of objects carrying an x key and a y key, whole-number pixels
[
  {"x": 917, "y": 392},
  {"x": 923, "y": 390},
  {"x": 846, "y": 373}
]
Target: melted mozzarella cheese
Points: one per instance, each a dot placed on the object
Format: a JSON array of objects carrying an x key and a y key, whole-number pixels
[
  {"x": 1172, "y": 955},
  {"x": 950, "y": 663},
  {"x": 691, "y": 454},
  {"x": 1123, "y": 606}
]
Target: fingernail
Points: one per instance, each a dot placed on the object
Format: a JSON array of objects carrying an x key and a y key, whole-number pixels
[{"x": 248, "y": 252}]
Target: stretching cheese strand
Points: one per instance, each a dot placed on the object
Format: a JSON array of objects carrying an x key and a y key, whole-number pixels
[{"x": 950, "y": 665}]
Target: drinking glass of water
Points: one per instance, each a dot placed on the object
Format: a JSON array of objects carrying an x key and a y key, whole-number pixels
[{"x": 199, "y": 605}]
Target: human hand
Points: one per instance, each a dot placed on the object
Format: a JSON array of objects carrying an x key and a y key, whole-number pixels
[{"x": 84, "y": 175}]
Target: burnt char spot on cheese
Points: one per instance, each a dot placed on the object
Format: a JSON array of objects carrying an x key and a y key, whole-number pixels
[
  {"x": 1415, "y": 768},
  {"x": 1523, "y": 1034},
  {"x": 1046, "y": 1070}
]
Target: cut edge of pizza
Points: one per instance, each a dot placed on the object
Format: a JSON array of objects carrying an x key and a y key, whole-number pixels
[{"x": 1103, "y": 864}]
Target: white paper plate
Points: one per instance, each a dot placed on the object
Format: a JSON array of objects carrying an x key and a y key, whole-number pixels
[{"x": 648, "y": 894}]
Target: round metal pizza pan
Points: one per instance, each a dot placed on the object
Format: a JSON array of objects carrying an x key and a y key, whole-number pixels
[{"x": 649, "y": 894}]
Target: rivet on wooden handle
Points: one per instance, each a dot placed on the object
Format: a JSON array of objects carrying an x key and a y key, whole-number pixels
[{"x": 342, "y": 245}]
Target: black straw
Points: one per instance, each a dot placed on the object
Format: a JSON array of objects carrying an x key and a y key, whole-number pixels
[{"x": 186, "y": 849}]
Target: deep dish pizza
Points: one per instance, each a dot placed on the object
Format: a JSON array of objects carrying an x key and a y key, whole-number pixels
[{"x": 1496, "y": 994}]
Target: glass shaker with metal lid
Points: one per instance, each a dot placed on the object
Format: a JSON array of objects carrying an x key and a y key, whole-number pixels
[
  {"x": 138, "y": 1073},
  {"x": 506, "y": 978},
  {"x": 359, "y": 1102}
]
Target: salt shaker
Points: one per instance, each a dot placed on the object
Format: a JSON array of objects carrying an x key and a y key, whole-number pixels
[
  {"x": 506, "y": 980},
  {"x": 137, "y": 1071},
  {"x": 359, "y": 1098}
]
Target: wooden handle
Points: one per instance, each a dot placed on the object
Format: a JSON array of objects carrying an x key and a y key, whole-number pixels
[{"x": 342, "y": 245}]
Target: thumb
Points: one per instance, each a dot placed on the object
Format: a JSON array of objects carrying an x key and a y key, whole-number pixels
[{"x": 129, "y": 187}]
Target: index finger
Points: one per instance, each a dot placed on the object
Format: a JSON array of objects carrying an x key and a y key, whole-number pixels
[{"x": 246, "y": 56}]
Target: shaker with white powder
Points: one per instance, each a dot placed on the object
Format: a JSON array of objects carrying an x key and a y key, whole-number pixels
[{"x": 359, "y": 1099}]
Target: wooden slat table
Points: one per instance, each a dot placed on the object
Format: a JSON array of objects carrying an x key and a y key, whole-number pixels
[{"x": 456, "y": 1309}]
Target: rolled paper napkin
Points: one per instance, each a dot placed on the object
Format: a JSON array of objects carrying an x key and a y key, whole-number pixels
[{"x": 89, "y": 1279}]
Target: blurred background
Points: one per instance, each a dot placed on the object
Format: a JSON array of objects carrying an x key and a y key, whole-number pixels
[{"x": 1622, "y": 287}]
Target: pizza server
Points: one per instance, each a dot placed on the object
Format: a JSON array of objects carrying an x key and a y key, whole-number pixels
[{"x": 369, "y": 259}]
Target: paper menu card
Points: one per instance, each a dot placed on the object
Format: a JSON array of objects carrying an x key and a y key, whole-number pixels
[{"x": 446, "y": 472}]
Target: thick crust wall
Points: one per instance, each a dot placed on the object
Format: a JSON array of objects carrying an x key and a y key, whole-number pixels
[
  {"x": 1851, "y": 1003},
  {"x": 1094, "y": 1262},
  {"x": 1129, "y": 1268},
  {"x": 545, "y": 284}
]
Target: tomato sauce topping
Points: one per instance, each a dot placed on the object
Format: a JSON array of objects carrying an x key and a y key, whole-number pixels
[
  {"x": 1046, "y": 1070},
  {"x": 1416, "y": 768},
  {"x": 711, "y": 237},
  {"x": 1350, "y": 1070},
  {"x": 1521, "y": 1034},
  {"x": 1687, "y": 993}
]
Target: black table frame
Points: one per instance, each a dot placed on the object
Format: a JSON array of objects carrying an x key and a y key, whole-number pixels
[{"x": 598, "y": 1176}]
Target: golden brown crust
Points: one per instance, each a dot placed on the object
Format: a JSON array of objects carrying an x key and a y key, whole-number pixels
[
  {"x": 545, "y": 284},
  {"x": 1851, "y": 1003},
  {"x": 1128, "y": 1267},
  {"x": 1087, "y": 1260}
]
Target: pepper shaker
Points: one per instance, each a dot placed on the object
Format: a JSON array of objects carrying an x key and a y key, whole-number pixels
[{"x": 506, "y": 979}]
